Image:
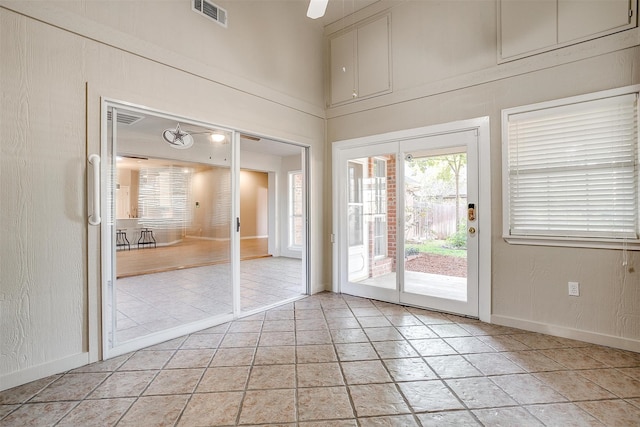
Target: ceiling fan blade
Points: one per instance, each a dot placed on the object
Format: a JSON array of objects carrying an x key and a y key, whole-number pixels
[{"x": 317, "y": 8}]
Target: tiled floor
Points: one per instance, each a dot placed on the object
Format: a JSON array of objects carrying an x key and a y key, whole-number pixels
[
  {"x": 152, "y": 302},
  {"x": 336, "y": 360}
]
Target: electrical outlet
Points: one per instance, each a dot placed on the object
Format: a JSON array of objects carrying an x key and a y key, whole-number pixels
[{"x": 574, "y": 289}]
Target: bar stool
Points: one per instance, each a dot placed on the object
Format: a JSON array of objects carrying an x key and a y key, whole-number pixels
[
  {"x": 121, "y": 239},
  {"x": 146, "y": 238}
]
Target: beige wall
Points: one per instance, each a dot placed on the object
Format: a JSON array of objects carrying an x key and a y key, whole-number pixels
[
  {"x": 254, "y": 205},
  {"x": 57, "y": 63},
  {"x": 445, "y": 69}
]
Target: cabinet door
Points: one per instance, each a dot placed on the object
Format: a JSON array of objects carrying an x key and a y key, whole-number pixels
[
  {"x": 581, "y": 18},
  {"x": 373, "y": 58},
  {"x": 343, "y": 72},
  {"x": 527, "y": 25}
]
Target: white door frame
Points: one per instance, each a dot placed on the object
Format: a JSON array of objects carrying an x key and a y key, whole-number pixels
[{"x": 483, "y": 213}]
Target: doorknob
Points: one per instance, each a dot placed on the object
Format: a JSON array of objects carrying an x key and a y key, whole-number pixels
[{"x": 472, "y": 230}]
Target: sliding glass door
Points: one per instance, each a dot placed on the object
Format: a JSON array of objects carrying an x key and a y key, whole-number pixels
[{"x": 194, "y": 226}]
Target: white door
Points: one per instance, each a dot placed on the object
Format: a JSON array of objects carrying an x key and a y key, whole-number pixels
[
  {"x": 419, "y": 215},
  {"x": 357, "y": 237}
]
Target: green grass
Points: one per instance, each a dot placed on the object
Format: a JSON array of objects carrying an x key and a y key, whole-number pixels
[{"x": 437, "y": 247}]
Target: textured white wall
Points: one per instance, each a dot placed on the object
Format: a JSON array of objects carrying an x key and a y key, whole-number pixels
[
  {"x": 50, "y": 122},
  {"x": 445, "y": 69}
]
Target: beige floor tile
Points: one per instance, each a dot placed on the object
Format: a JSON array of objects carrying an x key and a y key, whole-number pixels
[
  {"x": 573, "y": 358},
  {"x": 538, "y": 341},
  {"x": 124, "y": 384},
  {"x": 346, "y": 336},
  {"x": 272, "y": 376},
  {"x": 336, "y": 313},
  {"x": 614, "y": 381},
  {"x": 245, "y": 326},
  {"x": 410, "y": 369},
  {"x": 449, "y": 331},
  {"x": 356, "y": 351},
  {"x": 373, "y": 321},
  {"x": 527, "y": 389},
  {"x": 211, "y": 409},
  {"x": 268, "y": 407},
  {"x": 465, "y": 345},
  {"x": 240, "y": 339},
  {"x": 154, "y": 411},
  {"x": 175, "y": 381},
  {"x": 7, "y": 409},
  {"x": 493, "y": 364},
  {"x": 369, "y": 311},
  {"x": 377, "y": 399},
  {"x": 147, "y": 360},
  {"x": 631, "y": 372},
  {"x": 277, "y": 338},
  {"x": 383, "y": 334},
  {"x": 403, "y": 319},
  {"x": 314, "y": 313},
  {"x": 448, "y": 419},
  {"x": 173, "y": 344},
  {"x": 38, "y": 414},
  {"x": 319, "y": 375},
  {"x": 533, "y": 361},
  {"x": 563, "y": 415},
  {"x": 432, "y": 347},
  {"x": 284, "y": 325},
  {"x": 516, "y": 417},
  {"x": 416, "y": 332},
  {"x": 311, "y": 325},
  {"x": 613, "y": 357},
  {"x": 101, "y": 412},
  {"x": 109, "y": 365},
  {"x": 275, "y": 355},
  {"x": 315, "y": 354},
  {"x": 480, "y": 393},
  {"x": 574, "y": 386},
  {"x": 233, "y": 356},
  {"x": 503, "y": 343},
  {"x": 332, "y": 423},
  {"x": 202, "y": 341},
  {"x": 389, "y": 421},
  {"x": 25, "y": 392},
  {"x": 279, "y": 315},
  {"x": 429, "y": 396},
  {"x": 343, "y": 323},
  {"x": 224, "y": 378},
  {"x": 394, "y": 349},
  {"x": 452, "y": 367},
  {"x": 191, "y": 359},
  {"x": 323, "y": 403},
  {"x": 613, "y": 412},
  {"x": 309, "y": 337},
  {"x": 70, "y": 387},
  {"x": 365, "y": 372}
]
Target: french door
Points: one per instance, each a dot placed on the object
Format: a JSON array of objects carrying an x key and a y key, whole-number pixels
[{"x": 407, "y": 220}]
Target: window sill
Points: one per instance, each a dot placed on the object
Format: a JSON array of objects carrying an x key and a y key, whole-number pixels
[{"x": 631, "y": 245}]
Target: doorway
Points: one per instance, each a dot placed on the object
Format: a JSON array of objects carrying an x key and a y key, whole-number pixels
[
  {"x": 407, "y": 218},
  {"x": 175, "y": 258}
]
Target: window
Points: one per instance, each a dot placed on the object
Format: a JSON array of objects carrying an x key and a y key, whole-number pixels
[
  {"x": 296, "y": 226},
  {"x": 570, "y": 171},
  {"x": 164, "y": 197}
]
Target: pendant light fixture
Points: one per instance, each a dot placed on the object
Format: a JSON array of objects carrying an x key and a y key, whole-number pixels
[{"x": 317, "y": 8}]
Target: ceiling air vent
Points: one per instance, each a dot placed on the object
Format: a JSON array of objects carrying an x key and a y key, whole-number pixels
[
  {"x": 211, "y": 11},
  {"x": 125, "y": 118}
]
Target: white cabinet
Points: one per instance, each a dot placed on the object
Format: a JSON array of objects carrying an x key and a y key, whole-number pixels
[
  {"x": 527, "y": 27},
  {"x": 360, "y": 61}
]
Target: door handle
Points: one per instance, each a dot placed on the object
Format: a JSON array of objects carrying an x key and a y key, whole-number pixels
[
  {"x": 472, "y": 230},
  {"x": 94, "y": 218},
  {"x": 237, "y": 224}
]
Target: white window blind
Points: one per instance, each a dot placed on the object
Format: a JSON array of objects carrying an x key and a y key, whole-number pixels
[{"x": 573, "y": 169}]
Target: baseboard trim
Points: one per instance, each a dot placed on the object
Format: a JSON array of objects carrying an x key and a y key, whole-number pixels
[
  {"x": 33, "y": 373},
  {"x": 570, "y": 333}
]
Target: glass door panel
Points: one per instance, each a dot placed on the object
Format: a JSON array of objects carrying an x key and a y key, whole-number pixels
[
  {"x": 273, "y": 225},
  {"x": 370, "y": 223},
  {"x": 168, "y": 235}
]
